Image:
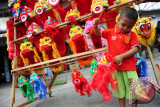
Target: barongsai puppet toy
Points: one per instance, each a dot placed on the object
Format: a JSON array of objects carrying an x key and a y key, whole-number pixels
[
  {"x": 38, "y": 86},
  {"x": 101, "y": 79},
  {"x": 26, "y": 88},
  {"x": 80, "y": 83},
  {"x": 78, "y": 44}
]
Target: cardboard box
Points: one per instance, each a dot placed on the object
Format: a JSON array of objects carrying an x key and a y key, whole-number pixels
[
  {"x": 74, "y": 66},
  {"x": 155, "y": 51}
]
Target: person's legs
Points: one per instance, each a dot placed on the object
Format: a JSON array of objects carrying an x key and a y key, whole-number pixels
[
  {"x": 120, "y": 94},
  {"x": 134, "y": 104},
  {"x": 129, "y": 77},
  {"x": 122, "y": 102}
]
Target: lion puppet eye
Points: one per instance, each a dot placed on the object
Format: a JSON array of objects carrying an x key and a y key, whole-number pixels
[{"x": 78, "y": 29}]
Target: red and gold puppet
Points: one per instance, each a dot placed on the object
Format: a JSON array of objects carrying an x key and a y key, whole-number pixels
[
  {"x": 78, "y": 44},
  {"x": 101, "y": 79},
  {"x": 42, "y": 16},
  {"x": 30, "y": 56},
  {"x": 98, "y": 6},
  {"x": 49, "y": 51},
  {"x": 80, "y": 83},
  {"x": 71, "y": 15},
  {"x": 32, "y": 29},
  {"x": 57, "y": 35}
]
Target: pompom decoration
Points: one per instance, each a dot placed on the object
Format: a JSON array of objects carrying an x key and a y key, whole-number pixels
[
  {"x": 10, "y": 50},
  {"x": 80, "y": 83},
  {"x": 101, "y": 79},
  {"x": 93, "y": 41},
  {"x": 26, "y": 88},
  {"x": 141, "y": 66},
  {"x": 145, "y": 31},
  {"x": 78, "y": 44},
  {"x": 38, "y": 86}
]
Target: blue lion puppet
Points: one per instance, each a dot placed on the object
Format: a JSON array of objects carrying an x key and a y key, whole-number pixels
[
  {"x": 141, "y": 66},
  {"x": 38, "y": 86}
]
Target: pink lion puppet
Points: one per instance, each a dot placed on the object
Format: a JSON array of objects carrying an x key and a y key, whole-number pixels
[
  {"x": 80, "y": 83},
  {"x": 101, "y": 79},
  {"x": 93, "y": 41}
]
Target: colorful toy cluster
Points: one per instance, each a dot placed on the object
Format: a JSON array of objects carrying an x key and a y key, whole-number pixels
[
  {"x": 29, "y": 87},
  {"x": 47, "y": 40},
  {"x": 101, "y": 72}
]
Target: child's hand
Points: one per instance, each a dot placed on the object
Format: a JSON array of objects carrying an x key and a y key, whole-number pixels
[
  {"x": 95, "y": 21},
  {"x": 118, "y": 59}
]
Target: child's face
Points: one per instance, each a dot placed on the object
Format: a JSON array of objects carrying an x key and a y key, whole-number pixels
[{"x": 125, "y": 24}]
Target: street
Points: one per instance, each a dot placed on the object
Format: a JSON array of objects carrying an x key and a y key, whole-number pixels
[{"x": 65, "y": 96}]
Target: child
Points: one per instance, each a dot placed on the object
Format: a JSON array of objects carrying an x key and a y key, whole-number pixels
[{"x": 123, "y": 45}]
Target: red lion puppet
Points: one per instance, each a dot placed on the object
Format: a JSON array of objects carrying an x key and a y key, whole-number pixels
[
  {"x": 56, "y": 34},
  {"x": 101, "y": 79},
  {"x": 80, "y": 83}
]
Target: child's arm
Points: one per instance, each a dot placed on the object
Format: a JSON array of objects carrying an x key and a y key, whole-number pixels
[
  {"x": 118, "y": 59},
  {"x": 96, "y": 29}
]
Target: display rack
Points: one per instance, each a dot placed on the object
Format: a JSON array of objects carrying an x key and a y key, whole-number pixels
[{"x": 22, "y": 71}]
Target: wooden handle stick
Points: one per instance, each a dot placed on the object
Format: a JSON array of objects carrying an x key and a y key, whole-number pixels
[{"x": 95, "y": 25}]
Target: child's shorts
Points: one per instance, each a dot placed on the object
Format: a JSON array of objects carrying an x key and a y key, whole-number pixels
[{"x": 124, "y": 81}]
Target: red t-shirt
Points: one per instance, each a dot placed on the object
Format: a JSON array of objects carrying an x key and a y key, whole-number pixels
[{"x": 119, "y": 43}]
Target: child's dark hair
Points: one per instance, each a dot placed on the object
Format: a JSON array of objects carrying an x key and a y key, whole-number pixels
[{"x": 130, "y": 13}]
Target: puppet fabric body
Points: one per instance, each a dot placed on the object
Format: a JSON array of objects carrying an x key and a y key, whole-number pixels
[
  {"x": 101, "y": 79},
  {"x": 56, "y": 35},
  {"x": 145, "y": 31},
  {"x": 49, "y": 51},
  {"x": 38, "y": 86},
  {"x": 141, "y": 66},
  {"x": 33, "y": 28},
  {"x": 30, "y": 55},
  {"x": 26, "y": 88},
  {"x": 93, "y": 41},
  {"x": 78, "y": 44},
  {"x": 93, "y": 68},
  {"x": 80, "y": 83}
]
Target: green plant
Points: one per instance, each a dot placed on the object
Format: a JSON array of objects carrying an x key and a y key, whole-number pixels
[{"x": 58, "y": 82}]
